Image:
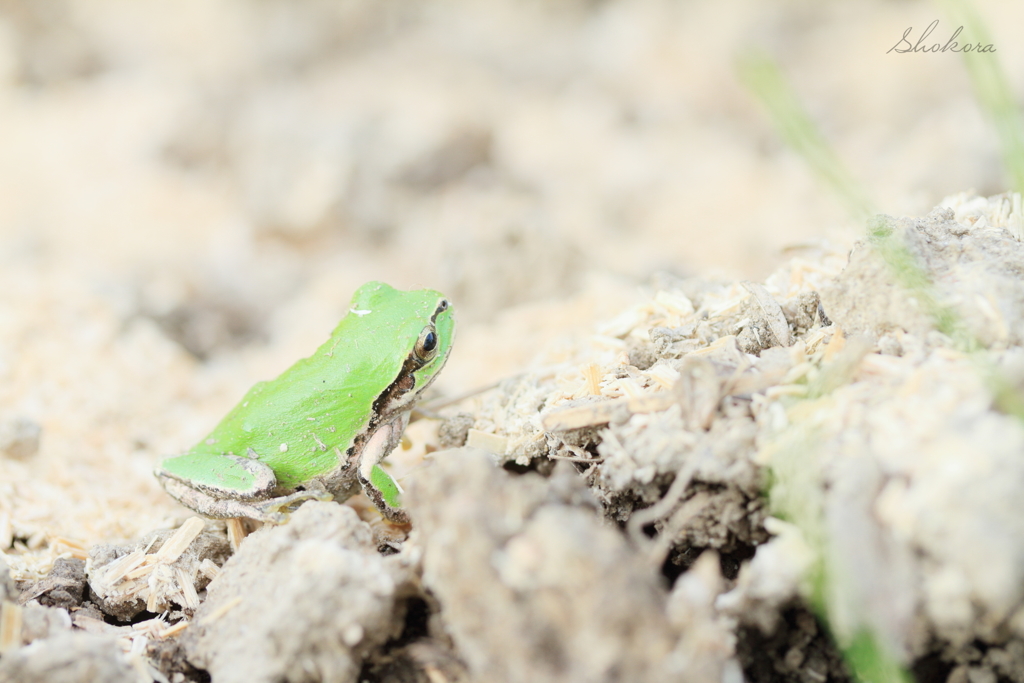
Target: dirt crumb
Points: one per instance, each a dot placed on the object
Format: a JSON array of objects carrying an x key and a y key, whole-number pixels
[{"x": 69, "y": 658}]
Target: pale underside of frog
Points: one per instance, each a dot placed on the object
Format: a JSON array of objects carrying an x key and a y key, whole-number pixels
[{"x": 321, "y": 429}]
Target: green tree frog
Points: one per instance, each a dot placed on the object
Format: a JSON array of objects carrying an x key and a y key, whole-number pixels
[{"x": 322, "y": 428}]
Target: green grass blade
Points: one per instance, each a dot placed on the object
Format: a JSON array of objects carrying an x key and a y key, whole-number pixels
[{"x": 762, "y": 77}]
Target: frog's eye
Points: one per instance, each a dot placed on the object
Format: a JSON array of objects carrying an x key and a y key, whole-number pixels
[{"x": 426, "y": 345}]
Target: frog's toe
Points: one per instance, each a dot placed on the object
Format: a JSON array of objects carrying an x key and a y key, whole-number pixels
[
  {"x": 300, "y": 496},
  {"x": 277, "y": 510},
  {"x": 397, "y": 516},
  {"x": 277, "y": 518}
]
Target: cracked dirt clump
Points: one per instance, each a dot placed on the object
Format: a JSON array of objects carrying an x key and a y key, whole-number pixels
[
  {"x": 314, "y": 590},
  {"x": 870, "y": 402},
  {"x": 163, "y": 571},
  {"x": 977, "y": 272},
  {"x": 535, "y": 588}
]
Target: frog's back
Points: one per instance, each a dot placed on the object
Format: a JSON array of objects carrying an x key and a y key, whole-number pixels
[{"x": 302, "y": 423}]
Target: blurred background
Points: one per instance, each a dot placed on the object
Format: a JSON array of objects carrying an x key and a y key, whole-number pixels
[{"x": 190, "y": 191}]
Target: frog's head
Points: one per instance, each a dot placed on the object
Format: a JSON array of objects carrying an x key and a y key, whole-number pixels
[
  {"x": 419, "y": 326},
  {"x": 434, "y": 343}
]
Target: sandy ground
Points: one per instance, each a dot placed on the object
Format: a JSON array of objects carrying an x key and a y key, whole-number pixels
[{"x": 189, "y": 195}]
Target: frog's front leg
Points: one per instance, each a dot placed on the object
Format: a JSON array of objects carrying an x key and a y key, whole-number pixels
[
  {"x": 378, "y": 484},
  {"x": 225, "y": 486}
]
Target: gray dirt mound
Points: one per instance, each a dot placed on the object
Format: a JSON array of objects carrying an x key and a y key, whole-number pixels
[{"x": 729, "y": 481}]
